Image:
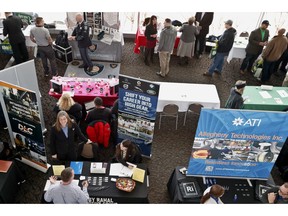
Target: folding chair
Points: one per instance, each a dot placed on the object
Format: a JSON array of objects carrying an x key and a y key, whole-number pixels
[
  {"x": 194, "y": 108},
  {"x": 170, "y": 110}
]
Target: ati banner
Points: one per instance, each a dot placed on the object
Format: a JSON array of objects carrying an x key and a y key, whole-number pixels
[
  {"x": 237, "y": 143},
  {"x": 137, "y": 111},
  {"x": 26, "y": 131}
]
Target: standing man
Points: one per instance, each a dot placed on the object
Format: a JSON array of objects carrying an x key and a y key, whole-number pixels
[
  {"x": 12, "y": 26},
  {"x": 66, "y": 192},
  {"x": 273, "y": 51},
  {"x": 257, "y": 40},
  {"x": 81, "y": 35},
  {"x": 166, "y": 45},
  {"x": 224, "y": 46},
  {"x": 42, "y": 38},
  {"x": 205, "y": 19}
]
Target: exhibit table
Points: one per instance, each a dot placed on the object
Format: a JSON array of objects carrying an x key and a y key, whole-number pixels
[
  {"x": 258, "y": 99},
  {"x": 104, "y": 52},
  {"x": 184, "y": 189},
  {"x": 9, "y": 184},
  {"x": 102, "y": 190},
  {"x": 238, "y": 49},
  {"x": 184, "y": 94},
  {"x": 140, "y": 40},
  {"x": 84, "y": 90}
]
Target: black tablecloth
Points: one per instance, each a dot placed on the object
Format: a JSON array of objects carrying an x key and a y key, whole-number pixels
[
  {"x": 112, "y": 194},
  {"x": 240, "y": 187},
  {"x": 9, "y": 183}
]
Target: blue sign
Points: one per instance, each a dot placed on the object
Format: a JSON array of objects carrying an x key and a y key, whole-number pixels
[
  {"x": 137, "y": 111},
  {"x": 237, "y": 143}
]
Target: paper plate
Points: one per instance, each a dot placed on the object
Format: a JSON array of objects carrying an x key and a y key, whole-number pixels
[{"x": 125, "y": 184}]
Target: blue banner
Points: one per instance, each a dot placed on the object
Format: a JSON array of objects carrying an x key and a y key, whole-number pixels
[
  {"x": 237, "y": 143},
  {"x": 137, "y": 111}
]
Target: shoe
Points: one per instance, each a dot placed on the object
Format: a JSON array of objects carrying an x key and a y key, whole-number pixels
[
  {"x": 46, "y": 75},
  {"x": 159, "y": 74},
  {"x": 90, "y": 69},
  {"x": 147, "y": 63},
  {"x": 207, "y": 74},
  {"x": 217, "y": 72},
  {"x": 81, "y": 66},
  {"x": 242, "y": 72}
]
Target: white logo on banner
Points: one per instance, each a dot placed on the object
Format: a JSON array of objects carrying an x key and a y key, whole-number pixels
[{"x": 251, "y": 122}]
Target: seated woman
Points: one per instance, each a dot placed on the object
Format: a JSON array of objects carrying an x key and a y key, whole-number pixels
[
  {"x": 212, "y": 195},
  {"x": 62, "y": 140},
  {"x": 66, "y": 103},
  {"x": 126, "y": 151}
]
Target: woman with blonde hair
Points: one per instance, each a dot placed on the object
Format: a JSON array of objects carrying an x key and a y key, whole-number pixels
[
  {"x": 66, "y": 103},
  {"x": 187, "y": 40},
  {"x": 212, "y": 195},
  {"x": 62, "y": 139}
]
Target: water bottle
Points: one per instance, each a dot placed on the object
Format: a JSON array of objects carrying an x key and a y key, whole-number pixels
[{"x": 235, "y": 198}]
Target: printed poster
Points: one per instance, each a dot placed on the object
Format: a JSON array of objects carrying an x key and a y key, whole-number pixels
[
  {"x": 237, "y": 143},
  {"x": 137, "y": 111},
  {"x": 23, "y": 113}
]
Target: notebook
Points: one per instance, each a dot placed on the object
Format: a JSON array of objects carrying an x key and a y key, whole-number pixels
[
  {"x": 4, "y": 166},
  {"x": 77, "y": 167}
]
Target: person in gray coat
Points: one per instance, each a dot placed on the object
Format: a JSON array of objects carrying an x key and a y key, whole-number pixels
[
  {"x": 187, "y": 40},
  {"x": 257, "y": 40},
  {"x": 166, "y": 45}
]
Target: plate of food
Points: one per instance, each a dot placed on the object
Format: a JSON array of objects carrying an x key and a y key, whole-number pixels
[{"x": 125, "y": 184}]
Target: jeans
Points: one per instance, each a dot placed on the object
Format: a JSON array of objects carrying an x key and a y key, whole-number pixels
[
  {"x": 48, "y": 53},
  {"x": 268, "y": 68},
  {"x": 85, "y": 57},
  {"x": 217, "y": 63},
  {"x": 248, "y": 61},
  {"x": 164, "y": 58}
]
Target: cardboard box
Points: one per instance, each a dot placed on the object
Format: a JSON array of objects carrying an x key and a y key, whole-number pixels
[{"x": 63, "y": 54}]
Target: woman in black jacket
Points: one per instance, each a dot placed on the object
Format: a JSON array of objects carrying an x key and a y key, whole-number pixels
[
  {"x": 151, "y": 35},
  {"x": 126, "y": 151},
  {"x": 62, "y": 140},
  {"x": 66, "y": 103}
]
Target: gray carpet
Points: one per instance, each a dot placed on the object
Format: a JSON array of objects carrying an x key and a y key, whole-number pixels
[{"x": 170, "y": 148}]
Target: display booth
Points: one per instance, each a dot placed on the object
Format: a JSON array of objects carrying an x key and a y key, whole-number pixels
[
  {"x": 84, "y": 90},
  {"x": 265, "y": 98},
  {"x": 21, "y": 103},
  {"x": 234, "y": 149},
  {"x": 103, "y": 186}
]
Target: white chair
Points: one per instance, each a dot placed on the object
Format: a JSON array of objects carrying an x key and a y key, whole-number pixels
[
  {"x": 194, "y": 108},
  {"x": 170, "y": 110}
]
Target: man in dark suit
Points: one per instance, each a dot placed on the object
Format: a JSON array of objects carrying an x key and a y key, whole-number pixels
[
  {"x": 257, "y": 40},
  {"x": 205, "y": 19},
  {"x": 12, "y": 26}
]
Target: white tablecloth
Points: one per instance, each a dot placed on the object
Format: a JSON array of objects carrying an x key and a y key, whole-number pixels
[
  {"x": 183, "y": 94},
  {"x": 238, "y": 49}
]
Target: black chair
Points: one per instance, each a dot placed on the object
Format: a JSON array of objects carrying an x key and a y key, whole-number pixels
[
  {"x": 194, "y": 108},
  {"x": 170, "y": 110}
]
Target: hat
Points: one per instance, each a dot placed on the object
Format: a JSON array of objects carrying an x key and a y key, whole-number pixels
[
  {"x": 240, "y": 84},
  {"x": 266, "y": 22},
  {"x": 229, "y": 22}
]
